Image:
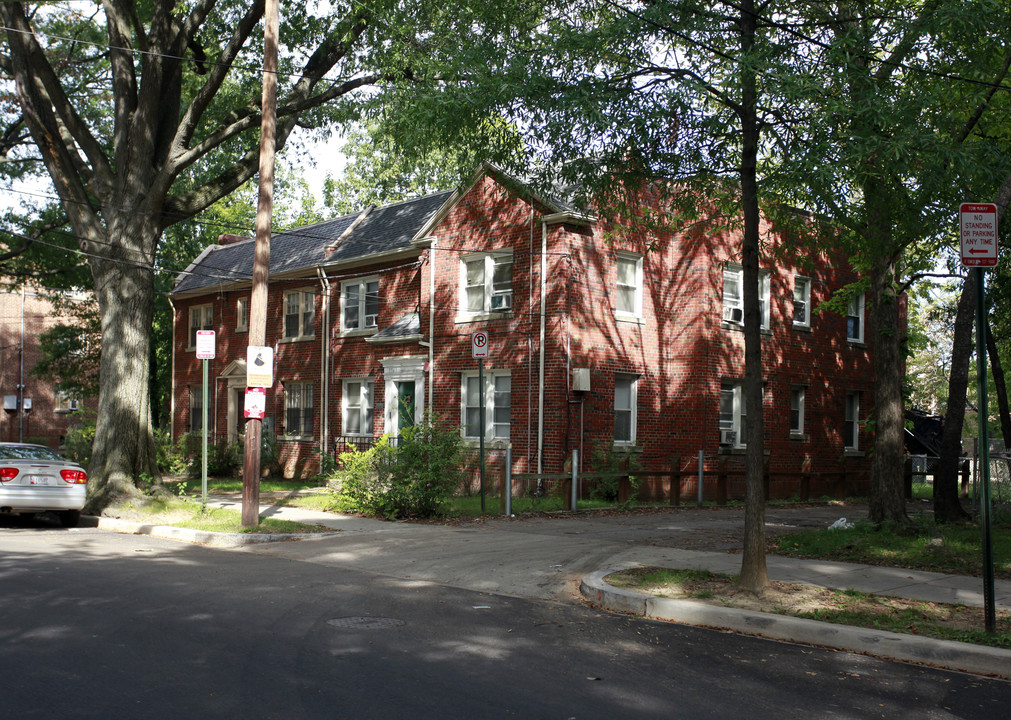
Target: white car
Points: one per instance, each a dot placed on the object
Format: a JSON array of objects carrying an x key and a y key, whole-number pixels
[{"x": 35, "y": 479}]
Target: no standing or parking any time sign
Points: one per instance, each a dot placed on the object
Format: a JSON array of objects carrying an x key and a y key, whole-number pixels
[{"x": 978, "y": 234}]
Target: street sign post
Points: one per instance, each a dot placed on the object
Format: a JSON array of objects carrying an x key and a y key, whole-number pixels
[
  {"x": 205, "y": 351},
  {"x": 479, "y": 349},
  {"x": 978, "y": 240}
]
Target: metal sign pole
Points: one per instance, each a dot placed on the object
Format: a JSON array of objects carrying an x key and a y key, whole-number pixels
[
  {"x": 480, "y": 384},
  {"x": 989, "y": 610},
  {"x": 203, "y": 425}
]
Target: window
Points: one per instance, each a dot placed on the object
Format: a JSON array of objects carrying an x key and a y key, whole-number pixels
[
  {"x": 242, "y": 314},
  {"x": 299, "y": 314},
  {"x": 629, "y": 294},
  {"x": 625, "y": 394},
  {"x": 196, "y": 408},
  {"x": 487, "y": 283},
  {"x": 201, "y": 318},
  {"x": 733, "y": 295},
  {"x": 855, "y": 319},
  {"x": 797, "y": 411},
  {"x": 801, "y": 301},
  {"x": 65, "y": 402},
  {"x": 733, "y": 414},
  {"x": 851, "y": 422},
  {"x": 298, "y": 415},
  {"x": 357, "y": 407},
  {"x": 497, "y": 406},
  {"x": 359, "y": 304}
]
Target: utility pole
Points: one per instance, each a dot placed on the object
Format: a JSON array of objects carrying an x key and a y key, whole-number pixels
[{"x": 261, "y": 254}]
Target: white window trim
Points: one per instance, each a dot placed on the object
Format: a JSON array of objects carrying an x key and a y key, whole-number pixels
[
  {"x": 636, "y": 312},
  {"x": 856, "y": 308},
  {"x": 804, "y": 322},
  {"x": 795, "y": 393},
  {"x": 852, "y": 401},
  {"x": 466, "y": 315},
  {"x": 634, "y": 409},
  {"x": 489, "y": 407},
  {"x": 733, "y": 314},
  {"x": 738, "y": 411},
  {"x": 367, "y": 395},
  {"x": 364, "y": 328},
  {"x": 301, "y": 292},
  {"x": 207, "y": 323},
  {"x": 65, "y": 402},
  {"x": 242, "y": 318},
  {"x": 289, "y": 394}
]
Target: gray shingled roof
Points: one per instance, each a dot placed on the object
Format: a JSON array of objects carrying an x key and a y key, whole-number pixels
[{"x": 384, "y": 229}]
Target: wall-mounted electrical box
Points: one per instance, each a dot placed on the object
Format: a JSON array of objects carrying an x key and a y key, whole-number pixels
[{"x": 581, "y": 379}]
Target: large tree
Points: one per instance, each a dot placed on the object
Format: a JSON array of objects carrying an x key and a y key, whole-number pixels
[
  {"x": 887, "y": 88},
  {"x": 143, "y": 114}
]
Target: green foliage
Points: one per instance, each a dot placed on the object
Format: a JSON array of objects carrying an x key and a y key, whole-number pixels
[
  {"x": 414, "y": 478},
  {"x": 224, "y": 459},
  {"x": 80, "y": 438},
  {"x": 172, "y": 457},
  {"x": 606, "y": 458}
]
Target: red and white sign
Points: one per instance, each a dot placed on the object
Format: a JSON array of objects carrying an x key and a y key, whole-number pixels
[
  {"x": 256, "y": 403},
  {"x": 978, "y": 233},
  {"x": 205, "y": 344},
  {"x": 479, "y": 344}
]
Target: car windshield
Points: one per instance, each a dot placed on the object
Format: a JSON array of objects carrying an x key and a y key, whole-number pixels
[{"x": 28, "y": 452}]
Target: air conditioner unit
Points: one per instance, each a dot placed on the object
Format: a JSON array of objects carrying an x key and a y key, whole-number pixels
[
  {"x": 733, "y": 314},
  {"x": 371, "y": 320},
  {"x": 728, "y": 437},
  {"x": 501, "y": 302}
]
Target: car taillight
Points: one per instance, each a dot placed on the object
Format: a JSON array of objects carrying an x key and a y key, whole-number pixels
[
  {"x": 78, "y": 477},
  {"x": 8, "y": 474}
]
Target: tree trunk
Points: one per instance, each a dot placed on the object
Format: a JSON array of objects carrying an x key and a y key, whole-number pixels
[
  {"x": 947, "y": 507},
  {"x": 887, "y": 500},
  {"x": 1000, "y": 388},
  {"x": 754, "y": 573},
  {"x": 124, "y": 450}
]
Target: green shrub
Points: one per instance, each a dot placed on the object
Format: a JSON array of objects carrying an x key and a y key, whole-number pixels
[
  {"x": 606, "y": 459},
  {"x": 171, "y": 457},
  {"x": 224, "y": 459},
  {"x": 80, "y": 438},
  {"x": 414, "y": 478}
]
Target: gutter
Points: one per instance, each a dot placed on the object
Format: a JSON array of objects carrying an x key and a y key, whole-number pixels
[
  {"x": 540, "y": 351},
  {"x": 324, "y": 382}
]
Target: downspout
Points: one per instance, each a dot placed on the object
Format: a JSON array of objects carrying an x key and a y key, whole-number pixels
[
  {"x": 540, "y": 363},
  {"x": 172, "y": 394},
  {"x": 324, "y": 385},
  {"x": 431, "y": 327}
]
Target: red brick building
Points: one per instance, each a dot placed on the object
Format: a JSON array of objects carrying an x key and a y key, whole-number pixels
[
  {"x": 598, "y": 337},
  {"x": 34, "y": 410}
]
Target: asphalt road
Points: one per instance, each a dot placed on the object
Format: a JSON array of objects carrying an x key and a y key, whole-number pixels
[{"x": 97, "y": 624}]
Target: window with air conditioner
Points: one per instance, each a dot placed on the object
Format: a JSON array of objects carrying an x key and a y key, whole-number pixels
[
  {"x": 359, "y": 304},
  {"x": 486, "y": 284},
  {"x": 733, "y": 295}
]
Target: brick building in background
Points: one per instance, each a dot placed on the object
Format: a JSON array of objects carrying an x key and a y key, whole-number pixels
[
  {"x": 602, "y": 338},
  {"x": 45, "y": 413}
]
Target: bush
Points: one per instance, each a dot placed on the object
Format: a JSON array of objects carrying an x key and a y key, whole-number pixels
[
  {"x": 414, "y": 478},
  {"x": 80, "y": 438},
  {"x": 171, "y": 457},
  {"x": 224, "y": 459},
  {"x": 606, "y": 459}
]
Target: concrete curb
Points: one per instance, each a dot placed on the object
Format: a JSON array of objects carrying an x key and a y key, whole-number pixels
[
  {"x": 948, "y": 654},
  {"x": 199, "y": 537}
]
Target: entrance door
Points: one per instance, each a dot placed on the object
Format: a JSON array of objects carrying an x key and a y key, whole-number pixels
[{"x": 405, "y": 404}]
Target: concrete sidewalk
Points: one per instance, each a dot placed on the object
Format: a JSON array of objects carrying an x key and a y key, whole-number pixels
[{"x": 563, "y": 557}]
